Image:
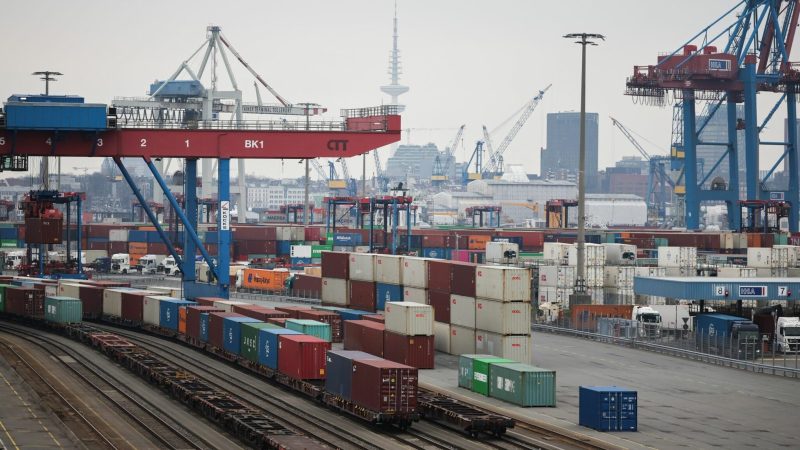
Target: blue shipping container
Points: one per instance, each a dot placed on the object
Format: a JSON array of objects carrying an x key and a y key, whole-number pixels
[
  {"x": 387, "y": 293},
  {"x": 203, "y": 327},
  {"x": 232, "y": 333},
  {"x": 212, "y": 237},
  {"x": 346, "y": 239},
  {"x": 339, "y": 370},
  {"x": 716, "y": 325},
  {"x": 8, "y": 233},
  {"x": 299, "y": 263},
  {"x": 137, "y": 236},
  {"x": 608, "y": 408},
  {"x": 55, "y": 116},
  {"x": 268, "y": 345},
  {"x": 440, "y": 253},
  {"x": 168, "y": 314},
  {"x": 284, "y": 247},
  {"x": 352, "y": 314},
  {"x": 153, "y": 237}
]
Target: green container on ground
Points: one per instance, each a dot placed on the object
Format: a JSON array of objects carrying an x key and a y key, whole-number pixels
[
  {"x": 63, "y": 310},
  {"x": 249, "y": 344},
  {"x": 465, "y": 369},
  {"x": 523, "y": 384},
  {"x": 3, "y": 297},
  {"x": 481, "y": 371},
  {"x": 311, "y": 328}
]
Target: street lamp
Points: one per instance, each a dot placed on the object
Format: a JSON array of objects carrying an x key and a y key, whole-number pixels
[{"x": 583, "y": 39}]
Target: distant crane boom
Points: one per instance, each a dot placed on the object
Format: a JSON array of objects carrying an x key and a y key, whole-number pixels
[
  {"x": 630, "y": 137},
  {"x": 487, "y": 140},
  {"x": 494, "y": 159},
  {"x": 318, "y": 168},
  {"x": 451, "y": 150}
]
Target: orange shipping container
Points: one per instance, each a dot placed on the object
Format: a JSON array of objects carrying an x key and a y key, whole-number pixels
[
  {"x": 147, "y": 228},
  {"x": 584, "y": 317},
  {"x": 265, "y": 280},
  {"x": 139, "y": 248},
  {"x": 478, "y": 242},
  {"x": 182, "y": 320}
]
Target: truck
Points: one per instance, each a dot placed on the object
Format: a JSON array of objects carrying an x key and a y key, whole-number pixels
[
  {"x": 675, "y": 319},
  {"x": 120, "y": 263},
  {"x": 169, "y": 267},
  {"x": 90, "y": 256},
  {"x": 584, "y": 317},
  {"x": 148, "y": 264},
  {"x": 782, "y": 333},
  {"x": 14, "y": 259},
  {"x": 726, "y": 335}
]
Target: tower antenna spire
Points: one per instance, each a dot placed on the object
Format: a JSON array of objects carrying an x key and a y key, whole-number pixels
[{"x": 394, "y": 89}]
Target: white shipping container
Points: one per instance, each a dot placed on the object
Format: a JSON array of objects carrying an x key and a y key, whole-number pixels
[
  {"x": 595, "y": 276},
  {"x": 793, "y": 254},
  {"x": 516, "y": 347},
  {"x": 415, "y": 272},
  {"x": 462, "y": 310},
  {"x": 555, "y": 295},
  {"x": 677, "y": 257},
  {"x": 112, "y": 301},
  {"x": 118, "y": 235},
  {"x": 51, "y": 290},
  {"x": 594, "y": 255},
  {"x": 618, "y": 296},
  {"x": 556, "y": 251},
  {"x": 362, "y": 266},
  {"x": 335, "y": 291},
  {"x": 680, "y": 272},
  {"x": 737, "y": 272},
  {"x": 597, "y": 295},
  {"x": 69, "y": 289},
  {"x": 503, "y": 318},
  {"x": 416, "y": 295},
  {"x": 298, "y": 234},
  {"x": 619, "y": 276},
  {"x": 361, "y": 249},
  {"x": 650, "y": 272},
  {"x": 503, "y": 283},
  {"x": 462, "y": 340},
  {"x": 151, "y": 309},
  {"x": 760, "y": 257},
  {"x": 774, "y": 272},
  {"x": 284, "y": 234},
  {"x": 389, "y": 269},
  {"x": 227, "y": 305},
  {"x": 620, "y": 254},
  {"x": 441, "y": 337},
  {"x": 409, "y": 318},
  {"x": 557, "y": 276},
  {"x": 496, "y": 252},
  {"x": 300, "y": 251},
  {"x": 727, "y": 241}
]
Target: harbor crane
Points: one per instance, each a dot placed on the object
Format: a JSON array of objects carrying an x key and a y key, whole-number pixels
[{"x": 441, "y": 169}]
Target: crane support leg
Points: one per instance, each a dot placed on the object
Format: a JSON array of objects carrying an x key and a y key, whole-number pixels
[
  {"x": 690, "y": 161},
  {"x": 751, "y": 131},
  {"x": 190, "y": 203},
  {"x": 734, "y": 210},
  {"x": 793, "y": 194},
  {"x": 224, "y": 224},
  {"x": 145, "y": 207}
]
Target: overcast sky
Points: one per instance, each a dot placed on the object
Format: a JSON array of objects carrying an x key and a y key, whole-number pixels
[{"x": 466, "y": 61}]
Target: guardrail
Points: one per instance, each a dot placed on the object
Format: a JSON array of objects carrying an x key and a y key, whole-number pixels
[{"x": 642, "y": 344}]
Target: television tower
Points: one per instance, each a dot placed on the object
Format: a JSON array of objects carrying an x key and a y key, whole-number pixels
[{"x": 395, "y": 89}]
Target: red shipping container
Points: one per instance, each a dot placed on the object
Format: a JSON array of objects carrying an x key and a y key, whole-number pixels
[
  {"x": 293, "y": 311},
  {"x": 208, "y": 301},
  {"x": 97, "y": 246},
  {"x": 259, "y": 312},
  {"x": 374, "y": 318},
  {"x": 117, "y": 247},
  {"x": 92, "y": 300},
  {"x": 440, "y": 302},
  {"x": 439, "y": 275},
  {"x": 279, "y": 321},
  {"x": 24, "y": 301},
  {"x": 215, "y": 320},
  {"x": 193, "y": 319},
  {"x": 313, "y": 233},
  {"x": 414, "y": 351},
  {"x": 384, "y": 386},
  {"x": 335, "y": 265},
  {"x": 331, "y": 318},
  {"x": 302, "y": 357},
  {"x": 362, "y": 295},
  {"x": 463, "y": 279},
  {"x": 364, "y": 335},
  {"x": 257, "y": 247},
  {"x": 132, "y": 306}
]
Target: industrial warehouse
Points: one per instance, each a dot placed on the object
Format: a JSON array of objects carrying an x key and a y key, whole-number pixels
[{"x": 549, "y": 234}]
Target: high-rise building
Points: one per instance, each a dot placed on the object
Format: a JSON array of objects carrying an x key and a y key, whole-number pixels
[
  {"x": 560, "y": 159},
  {"x": 416, "y": 161},
  {"x": 716, "y": 131}
]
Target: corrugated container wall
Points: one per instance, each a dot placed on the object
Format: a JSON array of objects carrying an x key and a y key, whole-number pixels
[
  {"x": 362, "y": 266},
  {"x": 389, "y": 269},
  {"x": 462, "y": 311},
  {"x": 677, "y": 257},
  {"x": 462, "y": 340},
  {"x": 409, "y": 318},
  {"x": 335, "y": 291},
  {"x": 516, "y": 347},
  {"x": 503, "y": 318},
  {"x": 522, "y": 384},
  {"x": 415, "y": 295},
  {"x": 415, "y": 272},
  {"x": 63, "y": 310},
  {"x": 503, "y": 283},
  {"x": 557, "y": 276}
]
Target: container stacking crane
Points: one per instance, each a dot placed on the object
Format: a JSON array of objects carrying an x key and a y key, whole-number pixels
[{"x": 441, "y": 169}]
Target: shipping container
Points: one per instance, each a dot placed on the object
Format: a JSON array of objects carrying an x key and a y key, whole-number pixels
[
  {"x": 268, "y": 354},
  {"x": 677, "y": 257},
  {"x": 558, "y": 252},
  {"x": 415, "y": 272},
  {"x": 481, "y": 371},
  {"x": 522, "y": 384},
  {"x": 339, "y": 368},
  {"x": 557, "y": 276},
  {"x": 3, "y": 297},
  {"x": 385, "y": 293},
  {"x": 619, "y": 276},
  {"x": 364, "y": 335},
  {"x": 516, "y": 347},
  {"x": 226, "y": 305},
  {"x": 193, "y": 319},
  {"x": 441, "y": 334},
  {"x": 335, "y": 265},
  {"x": 151, "y": 309},
  {"x": 409, "y": 318},
  {"x": 302, "y": 357},
  {"x": 389, "y": 269},
  {"x": 63, "y": 310},
  {"x": 385, "y": 386},
  {"x": 462, "y": 340},
  {"x": 204, "y": 326},
  {"x": 416, "y": 295},
  {"x": 415, "y": 351},
  {"x": 249, "y": 345},
  {"x": 619, "y": 254},
  {"x": 500, "y": 252},
  {"x": 462, "y": 311},
  {"x": 335, "y": 291},
  {"x": 311, "y": 328},
  {"x": 293, "y": 311},
  {"x": 502, "y": 318},
  {"x": 363, "y": 295},
  {"x": 264, "y": 280},
  {"x": 331, "y": 318},
  {"x": 440, "y": 302},
  {"x": 351, "y": 314},
  {"x": 608, "y": 408},
  {"x": 232, "y": 333},
  {"x": 258, "y": 312},
  {"x": 463, "y": 279},
  {"x": 465, "y": 369},
  {"x": 503, "y": 283},
  {"x": 594, "y": 255},
  {"x": 216, "y": 327},
  {"x": 169, "y": 312},
  {"x": 377, "y": 318},
  {"x": 362, "y": 266}
]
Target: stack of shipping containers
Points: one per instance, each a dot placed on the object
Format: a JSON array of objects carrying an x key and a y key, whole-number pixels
[
  {"x": 503, "y": 312},
  {"x": 408, "y": 336}
]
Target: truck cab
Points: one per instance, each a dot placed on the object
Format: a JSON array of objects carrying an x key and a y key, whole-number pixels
[
  {"x": 120, "y": 263},
  {"x": 649, "y": 320},
  {"x": 788, "y": 334},
  {"x": 148, "y": 264},
  {"x": 14, "y": 260},
  {"x": 169, "y": 267}
]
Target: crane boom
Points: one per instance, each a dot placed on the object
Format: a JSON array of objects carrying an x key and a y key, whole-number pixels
[
  {"x": 630, "y": 137},
  {"x": 345, "y": 170},
  {"x": 318, "y": 168},
  {"x": 498, "y": 154},
  {"x": 487, "y": 140},
  {"x": 450, "y": 152}
]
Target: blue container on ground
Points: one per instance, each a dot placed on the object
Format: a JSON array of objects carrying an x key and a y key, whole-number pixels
[
  {"x": 352, "y": 314},
  {"x": 203, "y": 327},
  {"x": 137, "y": 236},
  {"x": 232, "y": 333},
  {"x": 608, "y": 408},
  {"x": 268, "y": 345},
  {"x": 283, "y": 247},
  {"x": 387, "y": 293},
  {"x": 168, "y": 312},
  {"x": 339, "y": 371},
  {"x": 349, "y": 239},
  {"x": 439, "y": 253}
]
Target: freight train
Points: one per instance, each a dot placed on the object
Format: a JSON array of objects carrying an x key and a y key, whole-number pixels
[{"x": 302, "y": 368}]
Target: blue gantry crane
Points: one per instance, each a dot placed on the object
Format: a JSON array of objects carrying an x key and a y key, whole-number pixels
[{"x": 744, "y": 52}]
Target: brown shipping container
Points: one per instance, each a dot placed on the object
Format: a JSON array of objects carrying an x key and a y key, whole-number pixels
[
  {"x": 307, "y": 285},
  {"x": 132, "y": 304},
  {"x": 463, "y": 279},
  {"x": 43, "y": 231},
  {"x": 257, "y": 247},
  {"x": 157, "y": 248},
  {"x": 92, "y": 300},
  {"x": 293, "y": 311},
  {"x": 379, "y": 318},
  {"x": 414, "y": 351},
  {"x": 106, "y": 284},
  {"x": 362, "y": 295},
  {"x": 439, "y": 275},
  {"x": 259, "y": 312},
  {"x": 384, "y": 386},
  {"x": 97, "y": 246},
  {"x": 117, "y": 247},
  {"x": 335, "y": 265},
  {"x": 193, "y": 319},
  {"x": 434, "y": 241},
  {"x": 215, "y": 320},
  {"x": 279, "y": 321},
  {"x": 24, "y": 301},
  {"x": 440, "y": 302},
  {"x": 364, "y": 335},
  {"x": 208, "y": 301},
  {"x": 331, "y": 318},
  {"x": 257, "y": 233},
  {"x": 313, "y": 233}
]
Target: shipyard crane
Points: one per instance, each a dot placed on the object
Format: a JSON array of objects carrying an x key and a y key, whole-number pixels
[
  {"x": 318, "y": 168},
  {"x": 441, "y": 169},
  {"x": 495, "y": 164},
  {"x": 487, "y": 141},
  {"x": 657, "y": 177},
  {"x": 380, "y": 176}
]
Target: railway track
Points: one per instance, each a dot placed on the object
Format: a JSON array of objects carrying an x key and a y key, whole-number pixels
[{"x": 148, "y": 417}]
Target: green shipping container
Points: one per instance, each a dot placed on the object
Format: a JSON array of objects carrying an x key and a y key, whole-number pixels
[
  {"x": 311, "y": 328},
  {"x": 63, "y": 310},
  {"x": 249, "y": 344},
  {"x": 465, "y": 369},
  {"x": 3, "y": 297},
  {"x": 522, "y": 384},
  {"x": 481, "y": 371},
  {"x": 316, "y": 250}
]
